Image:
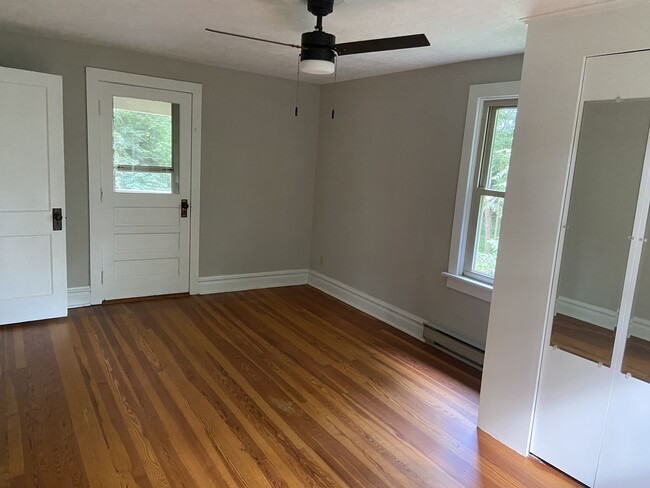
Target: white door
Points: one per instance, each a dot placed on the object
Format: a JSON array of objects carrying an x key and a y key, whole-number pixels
[
  {"x": 592, "y": 417},
  {"x": 33, "y": 276},
  {"x": 145, "y": 186}
]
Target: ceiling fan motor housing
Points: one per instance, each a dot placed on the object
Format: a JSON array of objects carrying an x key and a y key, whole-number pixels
[
  {"x": 318, "y": 45},
  {"x": 320, "y": 8}
]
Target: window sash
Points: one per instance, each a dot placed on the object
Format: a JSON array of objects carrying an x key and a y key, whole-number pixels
[
  {"x": 145, "y": 169},
  {"x": 480, "y": 177}
]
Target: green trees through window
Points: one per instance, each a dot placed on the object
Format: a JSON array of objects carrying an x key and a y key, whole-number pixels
[
  {"x": 493, "y": 178},
  {"x": 142, "y": 142}
]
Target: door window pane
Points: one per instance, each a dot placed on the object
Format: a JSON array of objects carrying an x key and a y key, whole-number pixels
[{"x": 145, "y": 146}]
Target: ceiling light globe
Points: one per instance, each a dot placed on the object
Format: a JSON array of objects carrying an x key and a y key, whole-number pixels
[{"x": 316, "y": 67}]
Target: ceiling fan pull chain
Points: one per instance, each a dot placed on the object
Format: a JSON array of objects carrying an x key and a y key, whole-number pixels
[
  {"x": 336, "y": 64},
  {"x": 297, "y": 85}
]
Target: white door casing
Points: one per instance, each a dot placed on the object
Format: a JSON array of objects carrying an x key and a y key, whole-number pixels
[
  {"x": 139, "y": 244},
  {"x": 33, "y": 273}
]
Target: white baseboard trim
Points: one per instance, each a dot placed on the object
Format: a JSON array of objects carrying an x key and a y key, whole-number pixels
[
  {"x": 396, "y": 317},
  {"x": 252, "y": 281},
  {"x": 602, "y": 317},
  {"x": 640, "y": 328},
  {"x": 587, "y": 312},
  {"x": 79, "y": 297}
]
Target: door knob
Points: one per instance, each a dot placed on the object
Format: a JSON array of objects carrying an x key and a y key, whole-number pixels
[
  {"x": 57, "y": 219},
  {"x": 184, "y": 207}
]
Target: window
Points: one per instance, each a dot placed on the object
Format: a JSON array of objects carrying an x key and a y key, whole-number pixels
[
  {"x": 145, "y": 146},
  {"x": 485, "y": 161}
]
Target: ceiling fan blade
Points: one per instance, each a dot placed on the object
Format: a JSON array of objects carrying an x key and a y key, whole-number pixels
[
  {"x": 253, "y": 38},
  {"x": 385, "y": 44}
]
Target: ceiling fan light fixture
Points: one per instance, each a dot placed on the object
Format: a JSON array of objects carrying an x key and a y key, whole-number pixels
[
  {"x": 317, "y": 56},
  {"x": 317, "y": 67},
  {"x": 319, "y": 50}
]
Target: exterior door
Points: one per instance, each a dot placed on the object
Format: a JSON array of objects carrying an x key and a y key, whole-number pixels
[
  {"x": 145, "y": 190},
  {"x": 33, "y": 276},
  {"x": 592, "y": 418}
]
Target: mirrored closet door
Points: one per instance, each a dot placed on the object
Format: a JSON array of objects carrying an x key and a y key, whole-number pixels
[{"x": 597, "y": 351}]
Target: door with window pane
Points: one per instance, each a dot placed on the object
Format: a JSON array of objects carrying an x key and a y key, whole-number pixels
[{"x": 145, "y": 184}]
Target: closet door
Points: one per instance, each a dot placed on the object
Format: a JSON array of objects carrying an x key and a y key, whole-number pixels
[
  {"x": 625, "y": 455},
  {"x": 597, "y": 261}
]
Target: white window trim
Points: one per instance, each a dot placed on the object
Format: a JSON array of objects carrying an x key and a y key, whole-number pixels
[{"x": 478, "y": 95}]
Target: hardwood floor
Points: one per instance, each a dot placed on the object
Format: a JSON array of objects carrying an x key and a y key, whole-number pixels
[{"x": 271, "y": 388}]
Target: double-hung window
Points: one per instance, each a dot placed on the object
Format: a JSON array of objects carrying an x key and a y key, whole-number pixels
[{"x": 483, "y": 177}]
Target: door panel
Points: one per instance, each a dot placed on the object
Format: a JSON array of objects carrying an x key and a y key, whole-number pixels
[
  {"x": 626, "y": 443},
  {"x": 33, "y": 275},
  {"x": 24, "y": 185},
  {"x": 145, "y": 173}
]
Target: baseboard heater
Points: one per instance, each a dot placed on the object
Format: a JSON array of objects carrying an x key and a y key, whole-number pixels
[{"x": 454, "y": 346}]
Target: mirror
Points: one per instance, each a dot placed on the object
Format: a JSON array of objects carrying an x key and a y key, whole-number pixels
[
  {"x": 602, "y": 205},
  {"x": 636, "y": 360}
]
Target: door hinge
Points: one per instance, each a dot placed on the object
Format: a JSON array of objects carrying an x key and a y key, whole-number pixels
[
  {"x": 102, "y": 276},
  {"x": 101, "y": 194},
  {"x": 99, "y": 107}
]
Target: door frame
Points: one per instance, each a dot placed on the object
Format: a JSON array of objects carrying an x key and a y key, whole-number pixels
[{"x": 94, "y": 76}]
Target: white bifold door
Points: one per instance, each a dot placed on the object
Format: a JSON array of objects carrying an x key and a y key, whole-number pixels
[
  {"x": 145, "y": 149},
  {"x": 33, "y": 277},
  {"x": 592, "y": 417}
]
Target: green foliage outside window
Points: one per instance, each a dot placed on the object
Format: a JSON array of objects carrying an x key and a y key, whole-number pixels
[
  {"x": 491, "y": 207},
  {"x": 142, "y": 139}
]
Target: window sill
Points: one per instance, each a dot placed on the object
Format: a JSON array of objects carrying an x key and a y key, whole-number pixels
[{"x": 466, "y": 285}]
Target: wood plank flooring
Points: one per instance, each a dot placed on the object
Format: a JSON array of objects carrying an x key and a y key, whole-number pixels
[{"x": 271, "y": 388}]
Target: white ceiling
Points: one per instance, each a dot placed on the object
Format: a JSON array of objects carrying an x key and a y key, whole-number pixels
[{"x": 459, "y": 30}]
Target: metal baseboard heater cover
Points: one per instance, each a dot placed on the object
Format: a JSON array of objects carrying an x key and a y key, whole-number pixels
[{"x": 454, "y": 346}]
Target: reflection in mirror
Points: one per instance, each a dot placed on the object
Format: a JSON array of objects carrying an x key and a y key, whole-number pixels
[
  {"x": 604, "y": 193},
  {"x": 636, "y": 360}
]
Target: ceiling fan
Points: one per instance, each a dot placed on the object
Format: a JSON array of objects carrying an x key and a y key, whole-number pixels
[{"x": 318, "y": 49}]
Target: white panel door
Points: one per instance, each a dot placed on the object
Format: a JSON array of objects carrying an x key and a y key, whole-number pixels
[
  {"x": 591, "y": 420},
  {"x": 145, "y": 179},
  {"x": 33, "y": 276}
]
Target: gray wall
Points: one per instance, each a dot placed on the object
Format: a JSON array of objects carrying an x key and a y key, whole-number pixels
[
  {"x": 258, "y": 160},
  {"x": 386, "y": 185}
]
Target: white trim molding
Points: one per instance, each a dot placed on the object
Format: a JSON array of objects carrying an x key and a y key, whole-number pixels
[
  {"x": 587, "y": 313},
  {"x": 601, "y": 316},
  {"x": 478, "y": 96},
  {"x": 639, "y": 328},
  {"x": 469, "y": 286},
  {"x": 251, "y": 281},
  {"x": 94, "y": 76},
  {"x": 79, "y": 297},
  {"x": 393, "y": 316}
]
